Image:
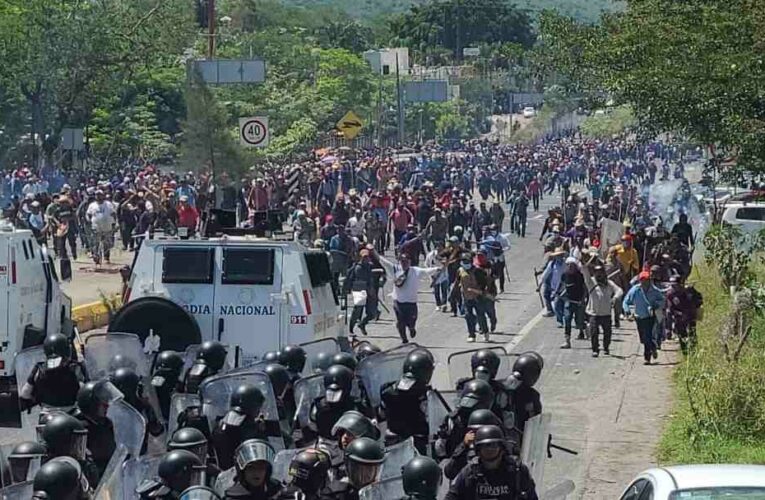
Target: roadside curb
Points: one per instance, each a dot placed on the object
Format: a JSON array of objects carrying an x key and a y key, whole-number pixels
[{"x": 93, "y": 315}]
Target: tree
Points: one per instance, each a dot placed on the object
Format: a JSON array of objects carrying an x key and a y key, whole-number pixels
[{"x": 455, "y": 24}]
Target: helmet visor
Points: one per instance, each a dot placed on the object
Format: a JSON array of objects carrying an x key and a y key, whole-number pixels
[
  {"x": 199, "y": 493},
  {"x": 234, "y": 418},
  {"x": 483, "y": 373},
  {"x": 363, "y": 474},
  {"x": 53, "y": 362},
  {"x": 24, "y": 468},
  {"x": 334, "y": 394},
  {"x": 158, "y": 380},
  {"x": 254, "y": 450},
  {"x": 406, "y": 382},
  {"x": 80, "y": 445}
]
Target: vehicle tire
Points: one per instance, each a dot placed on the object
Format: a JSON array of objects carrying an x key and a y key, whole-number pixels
[{"x": 176, "y": 328}]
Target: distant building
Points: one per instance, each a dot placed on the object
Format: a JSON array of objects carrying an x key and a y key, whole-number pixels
[{"x": 383, "y": 61}]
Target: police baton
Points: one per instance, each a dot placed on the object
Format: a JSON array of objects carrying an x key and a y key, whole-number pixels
[
  {"x": 442, "y": 399},
  {"x": 551, "y": 446}
]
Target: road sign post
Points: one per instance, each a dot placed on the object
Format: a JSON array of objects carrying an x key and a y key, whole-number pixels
[
  {"x": 254, "y": 132},
  {"x": 350, "y": 125}
]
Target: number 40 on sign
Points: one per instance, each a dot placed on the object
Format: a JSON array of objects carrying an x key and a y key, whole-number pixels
[{"x": 254, "y": 132}]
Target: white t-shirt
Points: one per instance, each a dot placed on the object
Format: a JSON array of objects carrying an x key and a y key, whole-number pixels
[
  {"x": 101, "y": 216},
  {"x": 408, "y": 291}
]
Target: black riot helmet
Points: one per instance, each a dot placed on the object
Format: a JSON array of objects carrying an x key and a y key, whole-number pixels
[
  {"x": 345, "y": 359},
  {"x": 418, "y": 369},
  {"x": 60, "y": 479},
  {"x": 121, "y": 361},
  {"x": 169, "y": 362},
  {"x": 93, "y": 398},
  {"x": 25, "y": 459},
  {"x": 476, "y": 394},
  {"x": 254, "y": 451},
  {"x": 189, "y": 439},
  {"x": 338, "y": 380},
  {"x": 366, "y": 349},
  {"x": 127, "y": 382},
  {"x": 422, "y": 478},
  {"x": 363, "y": 461},
  {"x": 293, "y": 357},
  {"x": 279, "y": 377},
  {"x": 357, "y": 424},
  {"x": 309, "y": 470},
  {"x": 213, "y": 354},
  {"x": 482, "y": 417},
  {"x": 200, "y": 492},
  {"x": 64, "y": 435},
  {"x": 181, "y": 469},
  {"x": 247, "y": 399},
  {"x": 527, "y": 369},
  {"x": 56, "y": 345},
  {"x": 488, "y": 434},
  {"x": 321, "y": 362},
  {"x": 484, "y": 364},
  {"x": 271, "y": 356}
]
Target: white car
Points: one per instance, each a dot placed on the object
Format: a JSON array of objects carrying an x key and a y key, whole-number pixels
[
  {"x": 529, "y": 112},
  {"x": 699, "y": 482}
]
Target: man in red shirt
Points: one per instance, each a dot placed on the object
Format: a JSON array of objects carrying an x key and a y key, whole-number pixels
[{"x": 188, "y": 216}]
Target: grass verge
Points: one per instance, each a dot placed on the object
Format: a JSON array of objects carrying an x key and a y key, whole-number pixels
[{"x": 719, "y": 412}]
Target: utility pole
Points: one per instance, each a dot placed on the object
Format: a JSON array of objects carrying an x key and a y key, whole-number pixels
[
  {"x": 211, "y": 28},
  {"x": 380, "y": 111},
  {"x": 401, "y": 132}
]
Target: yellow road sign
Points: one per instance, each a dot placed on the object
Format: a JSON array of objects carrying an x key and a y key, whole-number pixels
[{"x": 350, "y": 125}]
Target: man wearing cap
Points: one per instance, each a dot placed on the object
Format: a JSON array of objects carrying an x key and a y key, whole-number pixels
[
  {"x": 471, "y": 282},
  {"x": 360, "y": 283},
  {"x": 572, "y": 293},
  {"x": 101, "y": 215},
  {"x": 603, "y": 293},
  {"x": 63, "y": 225},
  {"x": 646, "y": 300},
  {"x": 551, "y": 279},
  {"x": 626, "y": 257},
  {"x": 188, "y": 216}
]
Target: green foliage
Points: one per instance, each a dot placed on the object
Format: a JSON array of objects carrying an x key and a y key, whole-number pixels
[
  {"x": 614, "y": 121},
  {"x": 731, "y": 251},
  {"x": 455, "y": 24},
  {"x": 720, "y": 413}
]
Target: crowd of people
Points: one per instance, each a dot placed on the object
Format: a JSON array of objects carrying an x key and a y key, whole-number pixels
[{"x": 389, "y": 222}]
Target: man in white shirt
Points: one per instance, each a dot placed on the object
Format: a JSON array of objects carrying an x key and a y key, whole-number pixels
[
  {"x": 406, "y": 283},
  {"x": 101, "y": 215}
]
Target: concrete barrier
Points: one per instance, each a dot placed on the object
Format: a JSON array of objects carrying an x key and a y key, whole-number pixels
[{"x": 94, "y": 315}]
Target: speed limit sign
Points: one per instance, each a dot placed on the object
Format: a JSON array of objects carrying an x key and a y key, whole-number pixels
[{"x": 253, "y": 132}]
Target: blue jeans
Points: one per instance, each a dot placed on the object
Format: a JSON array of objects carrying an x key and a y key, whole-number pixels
[
  {"x": 645, "y": 330},
  {"x": 441, "y": 293},
  {"x": 573, "y": 312},
  {"x": 559, "y": 305},
  {"x": 474, "y": 313}
]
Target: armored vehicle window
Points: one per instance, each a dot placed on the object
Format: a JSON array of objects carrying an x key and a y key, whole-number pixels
[
  {"x": 188, "y": 265},
  {"x": 318, "y": 268},
  {"x": 248, "y": 266}
]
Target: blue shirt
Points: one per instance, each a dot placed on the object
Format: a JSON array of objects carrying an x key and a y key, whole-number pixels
[{"x": 645, "y": 301}]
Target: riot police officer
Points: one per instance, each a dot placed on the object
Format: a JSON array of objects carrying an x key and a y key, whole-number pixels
[
  {"x": 209, "y": 362},
  {"x": 321, "y": 362},
  {"x": 92, "y": 404},
  {"x": 61, "y": 478},
  {"x": 345, "y": 359},
  {"x": 337, "y": 399},
  {"x": 121, "y": 361},
  {"x": 177, "y": 471},
  {"x": 271, "y": 356},
  {"x": 404, "y": 403},
  {"x": 191, "y": 439},
  {"x": 55, "y": 381},
  {"x": 422, "y": 478},
  {"x": 476, "y": 394},
  {"x": 525, "y": 399},
  {"x": 293, "y": 358},
  {"x": 166, "y": 379},
  {"x": 484, "y": 365},
  {"x": 65, "y": 436},
  {"x": 351, "y": 426},
  {"x": 25, "y": 459},
  {"x": 282, "y": 384},
  {"x": 308, "y": 476},
  {"x": 128, "y": 382},
  {"x": 464, "y": 450},
  {"x": 363, "y": 460},
  {"x": 493, "y": 474},
  {"x": 366, "y": 349},
  {"x": 243, "y": 421},
  {"x": 254, "y": 465}
]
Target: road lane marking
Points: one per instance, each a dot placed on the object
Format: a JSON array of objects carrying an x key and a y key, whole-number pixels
[{"x": 527, "y": 328}]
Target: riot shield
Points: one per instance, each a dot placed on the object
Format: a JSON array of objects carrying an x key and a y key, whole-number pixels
[
  {"x": 313, "y": 348},
  {"x": 396, "y": 457},
  {"x": 216, "y": 395},
  {"x": 560, "y": 491},
  {"x": 191, "y": 355},
  {"x": 137, "y": 470},
  {"x": 226, "y": 479},
  {"x": 178, "y": 404},
  {"x": 101, "y": 350},
  {"x": 24, "y": 363},
  {"x": 378, "y": 369},
  {"x": 129, "y": 426},
  {"x": 387, "y": 489},
  {"x": 438, "y": 411},
  {"x": 306, "y": 391},
  {"x": 534, "y": 448},
  {"x": 459, "y": 364},
  {"x": 6, "y": 477},
  {"x": 21, "y": 491},
  {"x": 282, "y": 460},
  {"x": 110, "y": 486}
]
